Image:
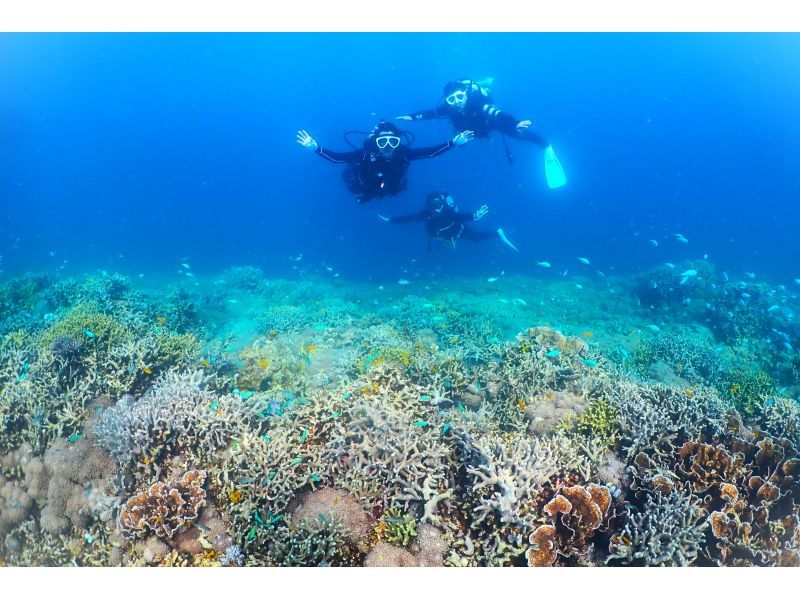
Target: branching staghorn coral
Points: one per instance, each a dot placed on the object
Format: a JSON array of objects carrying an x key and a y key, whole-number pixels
[
  {"x": 669, "y": 530},
  {"x": 661, "y": 417},
  {"x": 177, "y": 416},
  {"x": 409, "y": 458}
]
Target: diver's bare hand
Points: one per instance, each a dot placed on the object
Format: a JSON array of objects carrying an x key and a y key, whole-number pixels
[
  {"x": 481, "y": 212},
  {"x": 306, "y": 140},
  {"x": 463, "y": 137},
  {"x": 404, "y": 117},
  {"x": 523, "y": 125}
]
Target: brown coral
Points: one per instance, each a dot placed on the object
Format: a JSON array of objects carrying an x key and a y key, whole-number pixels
[
  {"x": 163, "y": 509},
  {"x": 544, "y": 551},
  {"x": 706, "y": 465},
  {"x": 577, "y": 513},
  {"x": 384, "y": 554},
  {"x": 329, "y": 502}
]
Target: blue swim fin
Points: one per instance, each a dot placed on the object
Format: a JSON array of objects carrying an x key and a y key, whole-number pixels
[{"x": 552, "y": 169}]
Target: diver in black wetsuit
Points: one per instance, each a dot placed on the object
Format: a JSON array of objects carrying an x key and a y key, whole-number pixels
[
  {"x": 445, "y": 223},
  {"x": 468, "y": 105},
  {"x": 379, "y": 169}
]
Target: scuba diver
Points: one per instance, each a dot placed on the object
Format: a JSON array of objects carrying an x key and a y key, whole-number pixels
[
  {"x": 379, "y": 168},
  {"x": 445, "y": 223},
  {"x": 468, "y": 105}
]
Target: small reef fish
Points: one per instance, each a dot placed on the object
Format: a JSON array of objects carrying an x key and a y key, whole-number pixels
[
  {"x": 187, "y": 266},
  {"x": 680, "y": 238},
  {"x": 553, "y": 353},
  {"x": 654, "y": 328},
  {"x": 669, "y": 265},
  {"x": 518, "y": 301},
  {"x": 587, "y": 333},
  {"x": 590, "y": 362},
  {"x": 773, "y": 308},
  {"x": 750, "y": 274},
  {"x": 578, "y": 286},
  {"x": 420, "y": 423},
  {"x": 492, "y": 279},
  {"x": 543, "y": 264},
  {"x": 725, "y": 276},
  {"x": 147, "y": 371},
  {"x": 190, "y": 274},
  {"x": 310, "y": 348},
  {"x": 521, "y": 405},
  {"x": 583, "y": 260},
  {"x": 88, "y": 333},
  {"x": 797, "y": 281},
  {"x": 402, "y": 281},
  {"x": 653, "y": 242}
]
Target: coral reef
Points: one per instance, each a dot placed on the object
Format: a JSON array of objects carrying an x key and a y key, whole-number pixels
[
  {"x": 164, "y": 508},
  {"x": 259, "y": 421},
  {"x": 577, "y": 512}
]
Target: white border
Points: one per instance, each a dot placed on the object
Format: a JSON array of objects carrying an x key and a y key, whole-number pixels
[{"x": 398, "y": 15}]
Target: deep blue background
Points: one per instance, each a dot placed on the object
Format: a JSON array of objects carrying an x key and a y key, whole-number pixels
[{"x": 163, "y": 147}]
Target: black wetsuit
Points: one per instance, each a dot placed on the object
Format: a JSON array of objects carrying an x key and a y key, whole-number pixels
[
  {"x": 369, "y": 174},
  {"x": 482, "y": 117},
  {"x": 447, "y": 225}
]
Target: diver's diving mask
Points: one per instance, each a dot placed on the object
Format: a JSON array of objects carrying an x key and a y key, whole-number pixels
[
  {"x": 393, "y": 141},
  {"x": 457, "y": 98}
]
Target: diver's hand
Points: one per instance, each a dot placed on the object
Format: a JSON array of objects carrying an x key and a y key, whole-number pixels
[
  {"x": 523, "y": 125},
  {"x": 481, "y": 212},
  {"x": 463, "y": 137},
  {"x": 382, "y": 217},
  {"x": 404, "y": 117},
  {"x": 306, "y": 140}
]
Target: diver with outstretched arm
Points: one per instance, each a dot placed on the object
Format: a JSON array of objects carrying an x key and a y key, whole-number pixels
[
  {"x": 444, "y": 222},
  {"x": 468, "y": 105},
  {"x": 380, "y": 167}
]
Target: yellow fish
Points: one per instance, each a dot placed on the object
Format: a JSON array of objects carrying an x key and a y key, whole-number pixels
[
  {"x": 147, "y": 371},
  {"x": 161, "y": 319},
  {"x": 205, "y": 363},
  {"x": 311, "y": 348},
  {"x": 587, "y": 333},
  {"x": 521, "y": 404},
  {"x": 263, "y": 363}
]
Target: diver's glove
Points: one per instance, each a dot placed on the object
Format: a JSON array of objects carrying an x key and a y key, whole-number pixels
[
  {"x": 404, "y": 117},
  {"x": 463, "y": 137},
  {"x": 523, "y": 125},
  {"x": 481, "y": 212},
  {"x": 382, "y": 217},
  {"x": 306, "y": 140}
]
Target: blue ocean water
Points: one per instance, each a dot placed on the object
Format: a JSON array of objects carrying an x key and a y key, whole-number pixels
[{"x": 135, "y": 152}]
